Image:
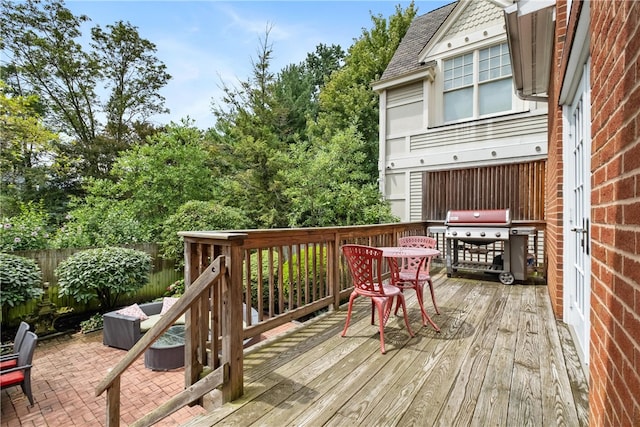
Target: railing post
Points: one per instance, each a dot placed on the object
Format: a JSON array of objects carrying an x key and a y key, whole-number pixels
[
  {"x": 113, "y": 403},
  {"x": 232, "y": 331},
  {"x": 193, "y": 367},
  {"x": 333, "y": 257}
]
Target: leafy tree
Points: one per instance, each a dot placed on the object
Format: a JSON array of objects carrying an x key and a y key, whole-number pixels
[
  {"x": 21, "y": 280},
  {"x": 149, "y": 183},
  {"x": 104, "y": 274},
  {"x": 297, "y": 88},
  {"x": 134, "y": 76},
  {"x": 41, "y": 41},
  {"x": 197, "y": 215},
  {"x": 320, "y": 65},
  {"x": 24, "y": 145},
  {"x": 347, "y": 97},
  {"x": 333, "y": 188},
  {"x": 247, "y": 124}
]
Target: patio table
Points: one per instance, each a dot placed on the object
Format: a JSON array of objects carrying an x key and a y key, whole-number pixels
[{"x": 392, "y": 253}]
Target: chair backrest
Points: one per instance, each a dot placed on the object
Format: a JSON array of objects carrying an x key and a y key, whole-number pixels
[
  {"x": 412, "y": 264},
  {"x": 27, "y": 349},
  {"x": 365, "y": 265},
  {"x": 22, "y": 331}
]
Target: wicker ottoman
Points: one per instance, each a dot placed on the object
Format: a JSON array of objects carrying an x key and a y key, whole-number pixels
[{"x": 168, "y": 350}]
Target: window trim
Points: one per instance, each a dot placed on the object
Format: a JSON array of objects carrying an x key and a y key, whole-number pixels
[{"x": 475, "y": 85}]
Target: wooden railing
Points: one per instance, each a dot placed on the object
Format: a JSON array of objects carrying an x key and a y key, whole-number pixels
[
  {"x": 213, "y": 274},
  {"x": 282, "y": 275},
  {"x": 266, "y": 279}
]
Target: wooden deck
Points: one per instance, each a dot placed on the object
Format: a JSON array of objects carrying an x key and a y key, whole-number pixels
[{"x": 500, "y": 360}]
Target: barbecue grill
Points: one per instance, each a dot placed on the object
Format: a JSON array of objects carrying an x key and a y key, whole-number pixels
[{"x": 486, "y": 232}]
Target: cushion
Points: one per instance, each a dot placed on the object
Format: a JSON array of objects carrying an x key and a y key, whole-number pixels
[
  {"x": 167, "y": 303},
  {"x": 133, "y": 311},
  {"x": 147, "y": 324},
  {"x": 11, "y": 378},
  {"x": 6, "y": 364}
]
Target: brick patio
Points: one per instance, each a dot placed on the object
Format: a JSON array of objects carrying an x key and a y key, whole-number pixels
[{"x": 66, "y": 370}]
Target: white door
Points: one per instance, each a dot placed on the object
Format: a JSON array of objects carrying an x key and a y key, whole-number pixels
[{"x": 577, "y": 228}]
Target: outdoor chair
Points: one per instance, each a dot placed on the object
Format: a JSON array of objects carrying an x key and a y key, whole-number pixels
[
  {"x": 365, "y": 265},
  {"x": 415, "y": 272},
  {"x": 11, "y": 360},
  {"x": 21, "y": 374}
]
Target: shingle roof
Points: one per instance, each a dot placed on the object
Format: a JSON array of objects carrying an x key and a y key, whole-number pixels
[{"x": 422, "y": 28}]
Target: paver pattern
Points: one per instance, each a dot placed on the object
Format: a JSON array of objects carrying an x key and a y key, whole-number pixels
[{"x": 66, "y": 370}]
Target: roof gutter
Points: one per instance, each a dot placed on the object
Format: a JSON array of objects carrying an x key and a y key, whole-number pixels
[{"x": 530, "y": 26}]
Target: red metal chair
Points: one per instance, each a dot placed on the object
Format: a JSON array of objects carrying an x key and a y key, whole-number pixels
[
  {"x": 11, "y": 360},
  {"x": 365, "y": 265},
  {"x": 414, "y": 272},
  {"x": 21, "y": 374}
]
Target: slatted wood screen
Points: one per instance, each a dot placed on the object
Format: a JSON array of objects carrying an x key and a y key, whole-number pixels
[{"x": 519, "y": 187}]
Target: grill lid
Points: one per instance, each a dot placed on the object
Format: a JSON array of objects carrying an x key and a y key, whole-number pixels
[{"x": 476, "y": 218}]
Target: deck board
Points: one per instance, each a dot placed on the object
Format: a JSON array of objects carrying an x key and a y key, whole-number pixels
[{"x": 501, "y": 359}]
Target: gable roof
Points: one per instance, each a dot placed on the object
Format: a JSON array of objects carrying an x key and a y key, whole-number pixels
[{"x": 422, "y": 28}]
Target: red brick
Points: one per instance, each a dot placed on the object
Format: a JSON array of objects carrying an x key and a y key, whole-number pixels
[
  {"x": 625, "y": 241},
  {"x": 627, "y": 188},
  {"x": 631, "y": 269}
]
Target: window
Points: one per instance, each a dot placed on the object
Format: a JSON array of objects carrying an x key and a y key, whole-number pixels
[{"x": 478, "y": 83}]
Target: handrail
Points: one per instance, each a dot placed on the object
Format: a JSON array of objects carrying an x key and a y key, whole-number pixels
[{"x": 111, "y": 382}]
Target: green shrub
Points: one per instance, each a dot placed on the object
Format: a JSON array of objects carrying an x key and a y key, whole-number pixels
[
  {"x": 105, "y": 274},
  {"x": 93, "y": 323},
  {"x": 25, "y": 231},
  {"x": 21, "y": 280},
  {"x": 176, "y": 289},
  {"x": 101, "y": 223},
  {"x": 292, "y": 263},
  {"x": 197, "y": 216},
  {"x": 265, "y": 279}
]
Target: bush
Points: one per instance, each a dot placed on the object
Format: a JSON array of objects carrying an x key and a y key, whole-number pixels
[
  {"x": 197, "y": 216},
  {"x": 264, "y": 268},
  {"x": 93, "y": 323},
  {"x": 21, "y": 280},
  {"x": 105, "y": 274},
  {"x": 306, "y": 255},
  {"x": 25, "y": 231},
  {"x": 101, "y": 223},
  {"x": 176, "y": 289}
]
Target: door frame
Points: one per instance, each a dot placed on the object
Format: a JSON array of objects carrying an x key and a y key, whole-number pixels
[
  {"x": 578, "y": 64},
  {"x": 580, "y": 324}
]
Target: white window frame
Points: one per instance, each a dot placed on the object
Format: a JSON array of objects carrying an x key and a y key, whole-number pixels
[{"x": 475, "y": 85}]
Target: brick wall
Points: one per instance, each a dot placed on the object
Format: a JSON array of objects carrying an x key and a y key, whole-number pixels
[
  {"x": 614, "y": 369},
  {"x": 554, "y": 205}
]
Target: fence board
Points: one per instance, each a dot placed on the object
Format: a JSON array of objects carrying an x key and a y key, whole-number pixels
[
  {"x": 518, "y": 186},
  {"x": 162, "y": 275}
]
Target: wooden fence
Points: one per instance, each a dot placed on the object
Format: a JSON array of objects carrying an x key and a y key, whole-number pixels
[
  {"x": 162, "y": 275},
  {"x": 519, "y": 187}
]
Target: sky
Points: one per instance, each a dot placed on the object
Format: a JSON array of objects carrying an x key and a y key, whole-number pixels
[{"x": 204, "y": 43}]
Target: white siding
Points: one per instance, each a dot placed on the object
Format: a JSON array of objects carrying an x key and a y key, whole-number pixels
[
  {"x": 405, "y": 94},
  {"x": 415, "y": 184},
  {"x": 412, "y": 139},
  {"x": 396, "y": 193},
  {"x": 395, "y": 185},
  {"x": 506, "y": 139},
  {"x": 490, "y": 131},
  {"x": 405, "y": 109},
  {"x": 405, "y": 118},
  {"x": 396, "y": 147}
]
